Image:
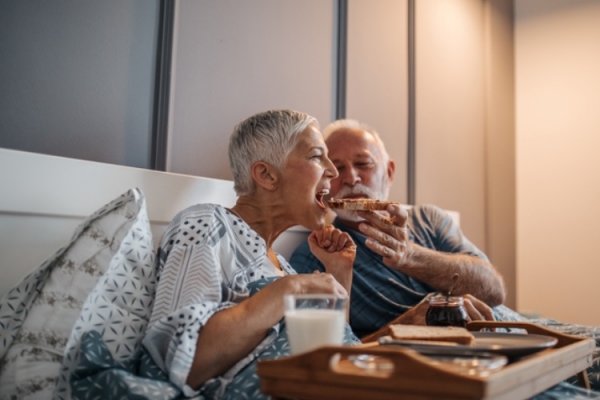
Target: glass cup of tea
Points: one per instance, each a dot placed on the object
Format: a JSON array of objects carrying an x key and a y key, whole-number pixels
[
  {"x": 314, "y": 320},
  {"x": 446, "y": 311}
]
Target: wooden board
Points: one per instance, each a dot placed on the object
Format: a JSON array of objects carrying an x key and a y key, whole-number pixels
[{"x": 327, "y": 373}]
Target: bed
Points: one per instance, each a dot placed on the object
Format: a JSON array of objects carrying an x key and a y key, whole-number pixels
[
  {"x": 77, "y": 244},
  {"x": 44, "y": 201}
]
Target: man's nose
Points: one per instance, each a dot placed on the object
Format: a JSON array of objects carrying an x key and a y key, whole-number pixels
[{"x": 350, "y": 177}]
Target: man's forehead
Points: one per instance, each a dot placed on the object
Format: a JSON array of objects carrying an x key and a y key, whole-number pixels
[
  {"x": 361, "y": 154},
  {"x": 352, "y": 144}
]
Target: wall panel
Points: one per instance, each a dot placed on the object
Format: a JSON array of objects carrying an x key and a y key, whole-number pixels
[
  {"x": 500, "y": 179},
  {"x": 450, "y": 113},
  {"x": 235, "y": 58},
  {"x": 377, "y": 79}
]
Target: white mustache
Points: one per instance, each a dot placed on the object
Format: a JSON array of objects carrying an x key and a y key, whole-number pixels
[{"x": 358, "y": 189}]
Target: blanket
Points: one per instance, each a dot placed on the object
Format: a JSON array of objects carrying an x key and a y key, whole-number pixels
[
  {"x": 100, "y": 376},
  {"x": 139, "y": 378}
]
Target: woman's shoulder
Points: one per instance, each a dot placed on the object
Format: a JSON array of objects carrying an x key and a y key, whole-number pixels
[
  {"x": 208, "y": 211},
  {"x": 198, "y": 219}
]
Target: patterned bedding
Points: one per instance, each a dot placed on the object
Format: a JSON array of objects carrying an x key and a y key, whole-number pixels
[{"x": 103, "y": 357}]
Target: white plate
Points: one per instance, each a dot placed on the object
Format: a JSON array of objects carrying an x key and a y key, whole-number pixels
[{"x": 511, "y": 345}]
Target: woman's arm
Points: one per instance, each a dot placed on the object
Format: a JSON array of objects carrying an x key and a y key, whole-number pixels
[{"x": 231, "y": 334}]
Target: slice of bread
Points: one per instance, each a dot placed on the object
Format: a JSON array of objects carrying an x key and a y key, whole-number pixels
[
  {"x": 432, "y": 333},
  {"x": 358, "y": 204}
]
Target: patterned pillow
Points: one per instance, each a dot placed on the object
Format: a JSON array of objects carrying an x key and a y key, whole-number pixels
[
  {"x": 36, "y": 317},
  {"x": 119, "y": 306}
]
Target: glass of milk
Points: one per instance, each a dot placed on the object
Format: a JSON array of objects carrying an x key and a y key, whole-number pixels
[{"x": 314, "y": 320}]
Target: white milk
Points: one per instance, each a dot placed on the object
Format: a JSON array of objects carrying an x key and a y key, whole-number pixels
[{"x": 311, "y": 328}]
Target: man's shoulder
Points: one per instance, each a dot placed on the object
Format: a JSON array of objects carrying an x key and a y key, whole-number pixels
[
  {"x": 301, "y": 250},
  {"x": 427, "y": 211},
  {"x": 426, "y": 208},
  {"x": 303, "y": 260}
]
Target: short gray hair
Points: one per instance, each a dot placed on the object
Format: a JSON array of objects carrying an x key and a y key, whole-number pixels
[
  {"x": 270, "y": 137},
  {"x": 352, "y": 124}
]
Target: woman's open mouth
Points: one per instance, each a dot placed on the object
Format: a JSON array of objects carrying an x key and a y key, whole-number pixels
[{"x": 320, "y": 196}]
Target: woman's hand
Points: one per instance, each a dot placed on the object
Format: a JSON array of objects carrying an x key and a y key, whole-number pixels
[
  {"x": 317, "y": 283},
  {"x": 336, "y": 251}
]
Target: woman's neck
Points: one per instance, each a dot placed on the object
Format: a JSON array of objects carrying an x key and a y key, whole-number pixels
[{"x": 267, "y": 218}]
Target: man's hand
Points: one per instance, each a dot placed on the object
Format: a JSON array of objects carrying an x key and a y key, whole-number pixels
[
  {"x": 336, "y": 251},
  {"x": 476, "y": 310},
  {"x": 387, "y": 237}
]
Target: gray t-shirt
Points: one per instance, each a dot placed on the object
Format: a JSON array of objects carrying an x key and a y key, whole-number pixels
[{"x": 380, "y": 294}]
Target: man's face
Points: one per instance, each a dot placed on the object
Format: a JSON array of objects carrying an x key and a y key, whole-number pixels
[{"x": 361, "y": 167}]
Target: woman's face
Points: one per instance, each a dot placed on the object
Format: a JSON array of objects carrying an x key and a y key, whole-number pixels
[{"x": 306, "y": 179}]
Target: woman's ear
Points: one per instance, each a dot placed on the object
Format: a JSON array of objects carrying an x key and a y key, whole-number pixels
[{"x": 264, "y": 175}]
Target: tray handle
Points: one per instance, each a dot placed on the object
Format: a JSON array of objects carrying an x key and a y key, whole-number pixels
[
  {"x": 407, "y": 363},
  {"x": 563, "y": 338}
]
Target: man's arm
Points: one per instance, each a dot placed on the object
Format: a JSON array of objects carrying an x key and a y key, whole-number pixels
[
  {"x": 389, "y": 238},
  {"x": 476, "y": 276}
]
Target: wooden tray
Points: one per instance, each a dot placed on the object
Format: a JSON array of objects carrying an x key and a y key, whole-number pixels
[{"x": 326, "y": 372}]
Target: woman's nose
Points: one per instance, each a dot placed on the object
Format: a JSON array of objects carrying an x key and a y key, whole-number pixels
[{"x": 330, "y": 170}]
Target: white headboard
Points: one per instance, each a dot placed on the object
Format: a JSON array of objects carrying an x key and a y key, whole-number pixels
[{"x": 44, "y": 198}]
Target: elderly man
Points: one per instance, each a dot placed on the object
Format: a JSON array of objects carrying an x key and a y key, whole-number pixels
[{"x": 401, "y": 256}]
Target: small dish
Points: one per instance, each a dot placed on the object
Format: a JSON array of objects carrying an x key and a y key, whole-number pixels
[
  {"x": 480, "y": 364},
  {"x": 372, "y": 363}
]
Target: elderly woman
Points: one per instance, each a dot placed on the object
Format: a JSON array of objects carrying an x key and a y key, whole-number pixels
[{"x": 210, "y": 322}]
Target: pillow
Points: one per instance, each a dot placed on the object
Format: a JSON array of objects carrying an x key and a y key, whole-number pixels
[
  {"x": 118, "y": 309},
  {"x": 36, "y": 316}
]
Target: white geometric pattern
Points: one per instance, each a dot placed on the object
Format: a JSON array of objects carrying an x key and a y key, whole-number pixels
[
  {"x": 119, "y": 307},
  {"x": 36, "y": 317},
  {"x": 208, "y": 258}
]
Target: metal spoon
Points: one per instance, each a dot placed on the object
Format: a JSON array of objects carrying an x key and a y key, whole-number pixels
[{"x": 454, "y": 280}]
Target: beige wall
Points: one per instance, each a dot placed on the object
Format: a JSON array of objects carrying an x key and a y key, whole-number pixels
[
  {"x": 558, "y": 167},
  {"x": 465, "y": 121},
  {"x": 450, "y": 112},
  {"x": 236, "y": 58}
]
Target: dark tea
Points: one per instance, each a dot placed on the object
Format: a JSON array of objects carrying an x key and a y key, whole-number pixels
[{"x": 446, "y": 311}]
